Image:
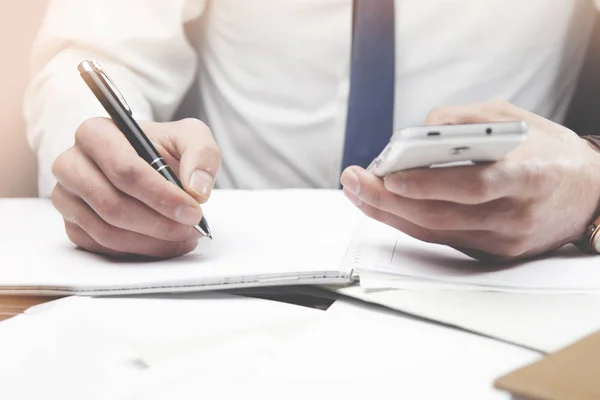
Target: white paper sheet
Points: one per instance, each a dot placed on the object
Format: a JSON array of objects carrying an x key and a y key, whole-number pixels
[
  {"x": 406, "y": 263},
  {"x": 221, "y": 347},
  {"x": 350, "y": 352},
  {"x": 260, "y": 238},
  {"x": 97, "y": 348},
  {"x": 543, "y": 322}
]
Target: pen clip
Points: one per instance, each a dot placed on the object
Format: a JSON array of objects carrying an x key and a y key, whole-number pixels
[{"x": 96, "y": 67}]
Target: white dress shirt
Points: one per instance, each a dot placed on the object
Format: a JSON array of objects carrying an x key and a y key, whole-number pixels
[{"x": 274, "y": 74}]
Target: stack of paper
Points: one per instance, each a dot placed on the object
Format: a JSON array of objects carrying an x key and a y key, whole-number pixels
[
  {"x": 543, "y": 304},
  {"x": 388, "y": 259}
]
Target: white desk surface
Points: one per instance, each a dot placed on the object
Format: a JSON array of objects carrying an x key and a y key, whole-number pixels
[{"x": 220, "y": 346}]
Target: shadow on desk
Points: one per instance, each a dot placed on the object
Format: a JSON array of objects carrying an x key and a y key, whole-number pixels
[{"x": 306, "y": 296}]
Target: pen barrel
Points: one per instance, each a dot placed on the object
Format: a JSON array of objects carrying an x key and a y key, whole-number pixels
[
  {"x": 163, "y": 168},
  {"x": 122, "y": 118}
]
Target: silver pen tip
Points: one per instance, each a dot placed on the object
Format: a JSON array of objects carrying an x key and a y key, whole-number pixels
[{"x": 207, "y": 234}]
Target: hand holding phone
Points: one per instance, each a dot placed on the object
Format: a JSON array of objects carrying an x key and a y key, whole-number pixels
[{"x": 427, "y": 146}]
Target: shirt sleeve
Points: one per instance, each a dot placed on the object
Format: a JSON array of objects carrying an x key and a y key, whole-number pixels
[{"x": 142, "y": 46}]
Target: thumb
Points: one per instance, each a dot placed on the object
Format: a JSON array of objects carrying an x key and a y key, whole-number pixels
[
  {"x": 454, "y": 115},
  {"x": 491, "y": 111},
  {"x": 199, "y": 157}
]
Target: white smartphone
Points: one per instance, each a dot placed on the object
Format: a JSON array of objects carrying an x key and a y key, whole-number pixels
[{"x": 443, "y": 145}]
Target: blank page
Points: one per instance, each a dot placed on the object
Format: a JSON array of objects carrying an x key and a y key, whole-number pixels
[
  {"x": 261, "y": 238},
  {"x": 410, "y": 264}
]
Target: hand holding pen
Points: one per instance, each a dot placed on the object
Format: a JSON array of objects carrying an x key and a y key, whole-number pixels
[{"x": 110, "y": 194}]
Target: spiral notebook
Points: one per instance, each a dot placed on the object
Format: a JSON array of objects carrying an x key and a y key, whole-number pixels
[{"x": 261, "y": 238}]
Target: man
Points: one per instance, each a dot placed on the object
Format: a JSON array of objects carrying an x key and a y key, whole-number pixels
[{"x": 275, "y": 80}]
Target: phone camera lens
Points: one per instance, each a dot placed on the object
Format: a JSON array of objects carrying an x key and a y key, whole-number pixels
[{"x": 488, "y": 131}]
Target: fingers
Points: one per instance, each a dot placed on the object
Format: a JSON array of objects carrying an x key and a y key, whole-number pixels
[
  {"x": 496, "y": 211},
  {"x": 82, "y": 178},
  {"x": 199, "y": 154},
  {"x": 96, "y": 235},
  {"x": 416, "y": 231},
  {"x": 474, "y": 184},
  {"x": 113, "y": 202},
  {"x": 79, "y": 237},
  {"x": 493, "y": 111},
  {"x": 489, "y": 245},
  {"x": 430, "y": 214},
  {"x": 500, "y": 229},
  {"x": 101, "y": 141}
]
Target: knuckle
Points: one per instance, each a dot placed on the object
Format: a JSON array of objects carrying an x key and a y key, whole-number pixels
[
  {"x": 372, "y": 212},
  {"x": 436, "y": 216},
  {"x": 195, "y": 124},
  {"x": 62, "y": 164},
  {"x": 86, "y": 129},
  {"x": 501, "y": 104},
  {"x": 212, "y": 155},
  {"x": 507, "y": 106},
  {"x": 125, "y": 173},
  {"x": 106, "y": 236},
  {"x": 525, "y": 224},
  {"x": 437, "y": 115},
  {"x": 111, "y": 208},
  {"x": 532, "y": 174},
  {"x": 377, "y": 198},
  {"x": 56, "y": 193},
  {"x": 538, "y": 179},
  {"x": 484, "y": 183},
  {"x": 61, "y": 204},
  {"x": 74, "y": 234},
  {"x": 88, "y": 222},
  {"x": 165, "y": 198},
  {"x": 82, "y": 220}
]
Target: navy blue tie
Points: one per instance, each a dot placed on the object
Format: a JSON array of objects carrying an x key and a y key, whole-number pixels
[{"x": 370, "y": 120}]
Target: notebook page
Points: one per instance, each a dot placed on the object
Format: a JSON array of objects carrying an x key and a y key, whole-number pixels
[
  {"x": 259, "y": 237},
  {"x": 406, "y": 263}
]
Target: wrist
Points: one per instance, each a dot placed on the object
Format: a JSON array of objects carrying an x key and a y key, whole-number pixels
[{"x": 588, "y": 240}]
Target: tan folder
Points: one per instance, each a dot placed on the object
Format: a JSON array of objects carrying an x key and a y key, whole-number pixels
[{"x": 572, "y": 373}]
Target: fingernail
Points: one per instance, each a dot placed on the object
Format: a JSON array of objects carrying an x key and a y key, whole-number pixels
[
  {"x": 201, "y": 183},
  {"x": 350, "y": 181},
  {"x": 353, "y": 198},
  {"x": 187, "y": 215},
  {"x": 395, "y": 184}
]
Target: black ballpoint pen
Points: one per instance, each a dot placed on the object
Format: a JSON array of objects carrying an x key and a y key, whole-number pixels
[{"x": 115, "y": 105}]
